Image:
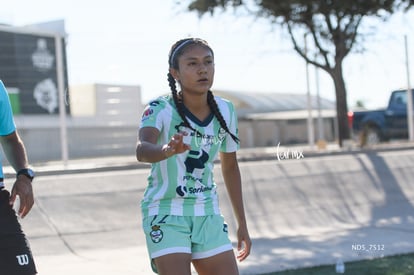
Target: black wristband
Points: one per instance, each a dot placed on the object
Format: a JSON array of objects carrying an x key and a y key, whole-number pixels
[{"x": 26, "y": 172}]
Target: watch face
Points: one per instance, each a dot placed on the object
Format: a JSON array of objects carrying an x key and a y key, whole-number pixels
[{"x": 30, "y": 173}]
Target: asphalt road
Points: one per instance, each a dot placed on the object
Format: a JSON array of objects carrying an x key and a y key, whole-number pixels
[{"x": 301, "y": 212}]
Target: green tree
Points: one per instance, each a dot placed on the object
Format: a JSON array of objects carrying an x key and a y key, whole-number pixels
[
  {"x": 360, "y": 103},
  {"x": 332, "y": 28}
]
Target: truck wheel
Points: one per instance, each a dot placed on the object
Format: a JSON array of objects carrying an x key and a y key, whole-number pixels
[{"x": 370, "y": 136}]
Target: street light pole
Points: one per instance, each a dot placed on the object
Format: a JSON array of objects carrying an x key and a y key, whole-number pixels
[
  {"x": 409, "y": 96},
  {"x": 321, "y": 134},
  {"x": 311, "y": 135},
  {"x": 62, "y": 106}
]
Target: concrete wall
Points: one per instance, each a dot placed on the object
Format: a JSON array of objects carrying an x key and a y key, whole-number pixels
[
  {"x": 103, "y": 122},
  {"x": 43, "y": 143},
  {"x": 91, "y": 137}
]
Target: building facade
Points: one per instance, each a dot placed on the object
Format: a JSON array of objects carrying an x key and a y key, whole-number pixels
[{"x": 269, "y": 119}]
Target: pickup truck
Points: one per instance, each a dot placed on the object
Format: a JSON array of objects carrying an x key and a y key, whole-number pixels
[{"x": 371, "y": 127}]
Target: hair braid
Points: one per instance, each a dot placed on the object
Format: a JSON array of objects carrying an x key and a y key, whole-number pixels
[
  {"x": 216, "y": 111},
  {"x": 178, "y": 102}
]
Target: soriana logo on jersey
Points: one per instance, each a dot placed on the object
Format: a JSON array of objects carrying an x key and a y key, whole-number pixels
[
  {"x": 149, "y": 110},
  {"x": 147, "y": 113}
]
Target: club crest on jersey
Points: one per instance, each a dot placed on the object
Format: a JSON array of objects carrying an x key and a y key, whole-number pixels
[
  {"x": 221, "y": 134},
  {"x": 156, "y": 234}
]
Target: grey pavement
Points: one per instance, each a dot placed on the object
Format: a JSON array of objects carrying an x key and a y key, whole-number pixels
[{"x": 305, "y": 207}]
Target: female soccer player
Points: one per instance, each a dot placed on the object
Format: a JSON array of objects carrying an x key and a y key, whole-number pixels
[{"x": 181, "y": 135}]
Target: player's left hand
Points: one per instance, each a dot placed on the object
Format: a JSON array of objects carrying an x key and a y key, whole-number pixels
[{"x": 244, "y": 243}]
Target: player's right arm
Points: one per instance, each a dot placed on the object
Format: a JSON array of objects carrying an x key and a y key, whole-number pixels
[
  {"x": 149, "y": 147},
  {"x": 149, "y": 151}
]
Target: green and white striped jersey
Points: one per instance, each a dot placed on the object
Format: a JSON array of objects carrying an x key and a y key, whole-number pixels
[{"x": 183, "y": 184}]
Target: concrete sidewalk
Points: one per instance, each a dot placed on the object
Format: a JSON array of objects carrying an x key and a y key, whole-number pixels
[{"x": 327, "y": 205}]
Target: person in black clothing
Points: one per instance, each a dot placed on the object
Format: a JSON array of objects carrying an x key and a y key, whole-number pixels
[{"x": 15, "y": 254}]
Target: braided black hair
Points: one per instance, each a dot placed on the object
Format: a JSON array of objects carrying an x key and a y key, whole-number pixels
[
  {"x": 216, "y": 111},
  {"x": 178, "y": 101},
  {"x": 176, "y": 51}
]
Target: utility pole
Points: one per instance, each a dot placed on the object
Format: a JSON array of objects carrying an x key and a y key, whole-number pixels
[
  {"x": 321, "y": 133},
  {"x": 311, "y": 135},
  {"x": 409, "y": 96},
  {"x": 62, "y": 106}
]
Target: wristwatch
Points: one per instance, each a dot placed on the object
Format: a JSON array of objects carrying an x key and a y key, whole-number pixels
[{"x": 27, "y": 172}]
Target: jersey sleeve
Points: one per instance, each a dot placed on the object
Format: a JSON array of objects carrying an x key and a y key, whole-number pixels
[
  {"x": 7, "y": 125},
  {"x": 230, "y": 116},
  {"x": 153, "y": 114}
]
